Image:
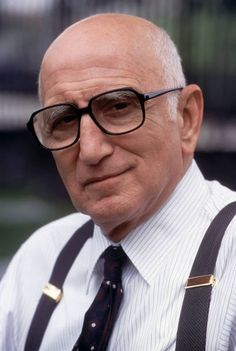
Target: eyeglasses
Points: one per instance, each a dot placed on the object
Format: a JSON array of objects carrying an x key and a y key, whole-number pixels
[{"x": 115, "y": 112}]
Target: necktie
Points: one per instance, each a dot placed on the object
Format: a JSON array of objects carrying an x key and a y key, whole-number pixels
[{"x": 100, "y": 317}]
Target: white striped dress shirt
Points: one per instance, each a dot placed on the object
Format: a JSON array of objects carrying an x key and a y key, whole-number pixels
[{"x": 161, "y": 253}]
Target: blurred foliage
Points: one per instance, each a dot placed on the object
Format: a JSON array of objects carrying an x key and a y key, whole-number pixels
[
  {"x": 206, "y": 40},
  {"x": 22, "y": 214}
]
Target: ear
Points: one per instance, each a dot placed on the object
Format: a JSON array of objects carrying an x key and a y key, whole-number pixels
[{"x": 190, "y": 111}]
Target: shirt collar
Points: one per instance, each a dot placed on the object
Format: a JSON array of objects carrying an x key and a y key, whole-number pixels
[{"x": 148, "y": 244}]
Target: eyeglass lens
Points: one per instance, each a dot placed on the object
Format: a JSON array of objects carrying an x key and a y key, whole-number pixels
[
  {"x": 115, "y": 112},
  {"x": 57, "y": 127}
]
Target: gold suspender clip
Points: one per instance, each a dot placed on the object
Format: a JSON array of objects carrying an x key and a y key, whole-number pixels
[
  {"x": 202, "y": 280},
  {"x": 53, "y": 292}
]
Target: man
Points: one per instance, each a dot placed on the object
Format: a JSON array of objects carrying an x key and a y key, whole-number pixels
[{"x": 126, "y": 158}]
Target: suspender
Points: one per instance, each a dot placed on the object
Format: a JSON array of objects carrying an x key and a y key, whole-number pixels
[
  {"x": 53, "y": 290},
  {"x": 192, "y": 327},
  {"x": 191, "y": 334}
]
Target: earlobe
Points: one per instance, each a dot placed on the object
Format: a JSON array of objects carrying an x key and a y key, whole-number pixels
[{"x": 190, "y": 114}]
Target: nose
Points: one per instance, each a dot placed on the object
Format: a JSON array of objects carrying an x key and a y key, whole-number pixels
[{"x": 94, "y": 144}]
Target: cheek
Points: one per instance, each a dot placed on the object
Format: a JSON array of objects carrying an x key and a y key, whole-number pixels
[
  {"x": 66, "y": 163},
  {"x": 161, "y": 154}
]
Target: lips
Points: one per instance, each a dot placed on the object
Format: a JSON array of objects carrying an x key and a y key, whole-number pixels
[{"x": 98, "y": 179}]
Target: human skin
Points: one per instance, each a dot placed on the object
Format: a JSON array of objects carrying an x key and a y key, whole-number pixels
[{"x": 120, "y": 181}]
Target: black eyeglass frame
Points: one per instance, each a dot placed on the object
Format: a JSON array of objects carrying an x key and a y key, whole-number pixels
[{"x": 88, "y": 110}]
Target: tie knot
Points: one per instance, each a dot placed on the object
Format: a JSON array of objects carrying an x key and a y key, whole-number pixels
[{"x": 114, "y": 259}]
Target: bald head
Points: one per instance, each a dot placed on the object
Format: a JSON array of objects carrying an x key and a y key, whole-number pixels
[{"x": 116, "y": 40}]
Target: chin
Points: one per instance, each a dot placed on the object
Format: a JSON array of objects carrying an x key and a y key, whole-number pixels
[{"x": 108, "y": 213}]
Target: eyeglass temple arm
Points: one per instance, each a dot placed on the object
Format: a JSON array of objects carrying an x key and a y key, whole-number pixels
[{"x": 151, "y": 95}]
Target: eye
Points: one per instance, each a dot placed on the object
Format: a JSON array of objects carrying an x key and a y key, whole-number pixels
[
  {"x": 120, "y": 105},
  {"x": 63, "y": 121},
  {"x": 57, "y": 117},
  {"x": 67, "y": 119}
]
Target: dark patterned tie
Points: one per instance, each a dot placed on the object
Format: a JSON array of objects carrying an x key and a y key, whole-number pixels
[{"x": 100, "y": 317}]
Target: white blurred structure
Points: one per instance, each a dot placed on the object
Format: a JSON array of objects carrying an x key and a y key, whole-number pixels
[{"x": 26, "y": 7}]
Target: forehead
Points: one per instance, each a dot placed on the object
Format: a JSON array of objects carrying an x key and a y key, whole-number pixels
[
  {"x": 76, "y": 85},
  {"x": 98, "y": 57}
]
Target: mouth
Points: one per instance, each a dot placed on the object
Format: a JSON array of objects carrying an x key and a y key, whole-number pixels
[{"x": 103, "y": 178}]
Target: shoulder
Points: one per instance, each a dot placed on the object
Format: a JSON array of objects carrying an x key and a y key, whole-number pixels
[
  {"x": 29, "y": 270},
  {"x": 38, "y": 253},
  {"x": 36, "y": 258},
  {"x": 57, "y": 231},
  {"x": 219, "y": 197}
]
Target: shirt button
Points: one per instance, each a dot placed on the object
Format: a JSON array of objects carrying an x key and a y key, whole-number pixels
[{"x": 93, "y": 325}]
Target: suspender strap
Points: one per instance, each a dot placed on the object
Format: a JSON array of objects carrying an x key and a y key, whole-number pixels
[
  {"x": 192, "y": 327},
  {"x": 53, "y": 290}
]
